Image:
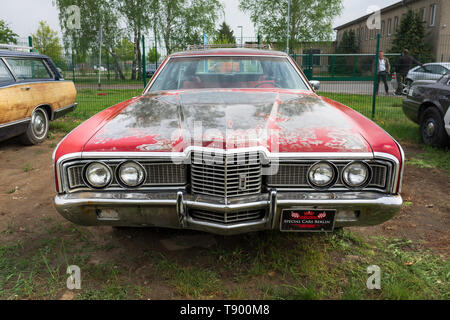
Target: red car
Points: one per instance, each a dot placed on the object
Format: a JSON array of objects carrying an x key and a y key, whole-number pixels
[{"x": 229, "y": 141}]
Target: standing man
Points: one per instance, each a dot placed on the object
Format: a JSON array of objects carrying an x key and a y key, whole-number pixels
[
  {"x": 402, "y": 67},
  {"x": 384, "y": 69}
]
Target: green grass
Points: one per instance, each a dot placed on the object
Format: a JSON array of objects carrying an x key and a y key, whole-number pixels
[{"x": 267, "y": 265}]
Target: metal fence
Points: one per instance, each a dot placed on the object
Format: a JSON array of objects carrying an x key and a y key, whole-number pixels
[{"x": 347, "y": 75}]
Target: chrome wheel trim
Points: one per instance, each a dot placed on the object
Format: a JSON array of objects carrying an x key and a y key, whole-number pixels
[
  {"x": 39, "y": 124},
  {"x": 430, "y": 128}
]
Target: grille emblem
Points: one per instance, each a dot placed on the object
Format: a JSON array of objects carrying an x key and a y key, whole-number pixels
[{"x": 242, "y": 182}]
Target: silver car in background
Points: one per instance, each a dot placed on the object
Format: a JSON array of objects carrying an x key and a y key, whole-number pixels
[
  {"x": 430, "y": 71},
  {"x": 428, "y": 74}
]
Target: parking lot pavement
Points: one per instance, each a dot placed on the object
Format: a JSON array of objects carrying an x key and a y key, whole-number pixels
[{"x": 350, "y": 87}]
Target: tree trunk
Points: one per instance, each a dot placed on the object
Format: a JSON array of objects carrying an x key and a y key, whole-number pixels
[{"x": 117, "y": 68}]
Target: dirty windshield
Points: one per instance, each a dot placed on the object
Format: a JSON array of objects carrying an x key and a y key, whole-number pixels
[{"x": 228, "y": 72}]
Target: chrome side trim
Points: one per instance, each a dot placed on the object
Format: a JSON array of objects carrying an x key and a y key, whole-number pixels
[
  {"x": 14, "y": 123},
  {"x": 395, "y": 172}
]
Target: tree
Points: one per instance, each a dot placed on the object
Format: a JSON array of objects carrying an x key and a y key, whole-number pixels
[
  {"x": 225, "y": 35},
  {"x": 153, "y": 56},
  {"x": 6, "y": 34},
  {"x": 183, "y": 22},
  {"x": 138, "y": 15},
  {"x": 46, "y": 41},
  {"x": 310, "y": 20},
  {"x": 84, "y": 41},
  {"x": 348, "y": 45},
  {"x": 411, "y": 35}
]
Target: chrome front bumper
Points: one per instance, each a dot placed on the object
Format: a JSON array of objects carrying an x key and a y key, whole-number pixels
[{"x": 171, "y": 210}]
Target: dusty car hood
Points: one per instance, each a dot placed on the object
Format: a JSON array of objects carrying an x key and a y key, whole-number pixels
[{"x": 227, "y": 119}]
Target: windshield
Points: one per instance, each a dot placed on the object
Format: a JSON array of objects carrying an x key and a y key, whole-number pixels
[{"x": 228, "y": 72}]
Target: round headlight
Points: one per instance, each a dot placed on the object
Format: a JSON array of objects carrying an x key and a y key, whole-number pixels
[
  {"x": 321, "y": 174},
  {"x": 356, "y": 174},
  {"x": 131, "y": 174},
  {"x": 98, "y": 175}
]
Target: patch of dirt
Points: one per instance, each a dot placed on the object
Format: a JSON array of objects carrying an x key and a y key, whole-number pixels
[
  {"x": 425, "y": 218},
  {"x": 26, "y": 211}
]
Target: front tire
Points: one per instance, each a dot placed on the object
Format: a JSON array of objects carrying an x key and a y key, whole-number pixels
[
  {"x": 432, "y": 128},
  {"x": 37, "y": 130}
]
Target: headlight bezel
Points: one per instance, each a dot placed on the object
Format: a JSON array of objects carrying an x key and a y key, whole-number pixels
[
  {"x": 119, "y": 178},
  {"x": 329, "y": 184},
  {"x": 363, "y": 184},
  {"x": 89, "y": 183}
]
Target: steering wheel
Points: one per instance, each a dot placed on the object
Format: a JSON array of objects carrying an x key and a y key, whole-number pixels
[{"x": 267, "y": 82}]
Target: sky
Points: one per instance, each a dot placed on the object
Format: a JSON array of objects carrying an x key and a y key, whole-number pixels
[{"x": 23, "y": 16}]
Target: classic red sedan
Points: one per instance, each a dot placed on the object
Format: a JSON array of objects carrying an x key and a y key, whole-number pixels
[{"x": 229, "y": 141}]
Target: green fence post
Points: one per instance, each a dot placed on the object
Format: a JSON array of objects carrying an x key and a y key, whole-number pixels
[
  {"x": 354, "y": 66},
  {"x": 144, "y": 67},
  {"x": 259, "y": 41},
  {"x": 73, "y": 67},
  {"x": 107, "y": 63},
  {"x": 30, "y": 43},
  {"x": 375, "y": 78}
]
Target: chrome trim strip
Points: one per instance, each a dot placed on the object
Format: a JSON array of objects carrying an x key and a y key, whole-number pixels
[
  {"x": 34, "y": 82},
  {"x": 395, "y": 171},
  {"x": 14, "y": 123}
]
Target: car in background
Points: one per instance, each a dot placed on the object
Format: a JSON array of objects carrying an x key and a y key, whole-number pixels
[
  {"x": 429, "y": 106},
  {"x": 32, "y": 93},
  {"x": 150, "y": 70},
  {"x": 429, "y": 71},
  {"x": 229, "y": 141}
]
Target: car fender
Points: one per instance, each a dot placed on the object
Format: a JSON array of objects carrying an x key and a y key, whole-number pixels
[
  {"x": 447, "y": 121},
  {"x": 427, "y": 103}
]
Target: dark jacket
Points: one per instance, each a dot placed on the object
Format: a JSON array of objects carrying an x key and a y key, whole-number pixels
[{"x": 404, "y": 64}]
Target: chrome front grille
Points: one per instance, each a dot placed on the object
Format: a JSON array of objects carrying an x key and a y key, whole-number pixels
[
  {"x": 158, "y": 174},
  {"x": 229, "y": 175},
  {"x": 227, "y": 217},
  {"x": 294, "y": 175}
]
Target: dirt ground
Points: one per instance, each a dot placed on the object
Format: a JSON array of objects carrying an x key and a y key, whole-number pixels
[{"x": 26, "y": 202}]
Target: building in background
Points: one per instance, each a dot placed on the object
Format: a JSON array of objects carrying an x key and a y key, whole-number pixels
[{"x": 435, "y": 14}]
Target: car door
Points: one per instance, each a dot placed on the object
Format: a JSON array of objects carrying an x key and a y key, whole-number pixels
[
  {"x": 30, "y": 74},
  {"x": 13, "y": 105},
  {"x": 435, "y": 72}
]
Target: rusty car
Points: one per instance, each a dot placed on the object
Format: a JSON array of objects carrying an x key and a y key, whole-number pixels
[
  {"x": 32, "y": 93},
  {"x": 229, "y": 141}
]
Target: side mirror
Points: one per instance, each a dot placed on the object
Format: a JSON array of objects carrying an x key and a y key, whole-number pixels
[{"x": 315, "y": 84}]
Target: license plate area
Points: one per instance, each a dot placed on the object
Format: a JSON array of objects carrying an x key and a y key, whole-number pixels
[{"x": 307, "y": 220}]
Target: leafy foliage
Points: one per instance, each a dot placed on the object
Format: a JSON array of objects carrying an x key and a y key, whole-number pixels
[
  {"x": 6, "y": 34},
  {"x": 411, "y": 35},
  {"x": 310, "y": 20},
  {"x": 225, "y": 35},
  {"x": 46, "y": 41},
  {"x": 348, "y": 44},
  {"x": 183, "y": 22}
]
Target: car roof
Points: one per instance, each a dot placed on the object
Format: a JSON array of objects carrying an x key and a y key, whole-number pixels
[
  {"x": 21, "y": 54},
  {"x": 230, "y": 51},
  {"x": 446, "y": 64}
]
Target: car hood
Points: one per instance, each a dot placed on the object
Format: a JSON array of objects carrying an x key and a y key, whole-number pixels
[{"x": 229, "y": 119}]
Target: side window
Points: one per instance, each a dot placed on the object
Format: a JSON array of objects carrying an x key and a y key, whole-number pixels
[
  {"x": 421, "y": 69},
  {"x": 29, "y": 69},
  {"x": 5, "y": 76},
  {"x": 436, "y": 69}
]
